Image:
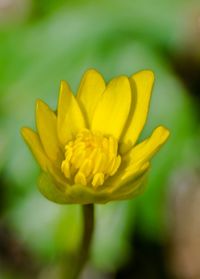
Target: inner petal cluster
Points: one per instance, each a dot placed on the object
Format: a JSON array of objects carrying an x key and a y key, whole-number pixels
[{"x": 90, "y": 158}]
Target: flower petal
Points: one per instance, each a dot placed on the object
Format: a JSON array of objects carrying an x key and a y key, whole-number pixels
[
  {"x": 85, "y": 195},
  {"x": 79, "y": 194},
  {"x": 132, "y": 189},
  {"x": 144, "y": 151},
  {"x": 47, "y": 129},
  {"x": 70, "y": 117},
  {"x": 59, "y": 179},
  {"x": 130, "y": 179},
  {"x": 127, "y": 175},
  {"x": 136, "y": 161},
  {"x": 141, "y": 84},
  {"x": 90, "y": 90},
  {"x": 76, "y": 194},
  {"x": 112, "y": 110},
  {"x": 34, "y": 143},
  {"x": 48, "y": 188}
]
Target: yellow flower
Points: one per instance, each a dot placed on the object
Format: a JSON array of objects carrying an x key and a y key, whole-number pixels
[{"x": 87, "y": 148}]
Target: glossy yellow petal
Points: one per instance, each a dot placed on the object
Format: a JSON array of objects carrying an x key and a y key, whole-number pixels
[
  {"x": 146, "y": 149},
  {"x": 128, "y": 175},
  {"x": 90, "y": 91},
  {"x": 129, "y": 179},
  {"x": 34, "y": 143},
  {"x": 112, "y": 110},
  {"x": 47, "y": 129},
  {"x": 141, "y": 84},
  {"x": 70, "y": 117},
  {"x": 136, "y": 161},
  {"x": 133, "y": 189}
]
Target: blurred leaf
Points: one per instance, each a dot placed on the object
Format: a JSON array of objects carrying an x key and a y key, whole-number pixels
[{"x": 34, "y": 59}]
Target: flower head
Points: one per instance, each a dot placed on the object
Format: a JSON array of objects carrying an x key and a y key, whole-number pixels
[{"x": 87, "y": 149}]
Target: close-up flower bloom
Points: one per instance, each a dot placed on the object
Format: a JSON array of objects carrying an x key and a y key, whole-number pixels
[{"x": 87, "y": 149}]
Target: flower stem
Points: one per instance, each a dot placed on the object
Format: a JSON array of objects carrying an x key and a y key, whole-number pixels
[{"x": 88, "y": 223}]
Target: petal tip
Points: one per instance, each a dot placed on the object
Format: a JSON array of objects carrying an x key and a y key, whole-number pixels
[
  {"x": 24, "y": 132},
  {"x": 89, "y": 75},
  {"x": 64, "y": 89},
  {"x": 122, "y": 81},
  {"x": 146, "y": 74},
  {"x": 39, "y": 104},
  {"x": 63, "y": 84},
  {"x": 91, "y": 71},
  {"x": 164, "y": 130},
  {"x": 163, "y": 133},
  {"x": 149, "y": 73}
]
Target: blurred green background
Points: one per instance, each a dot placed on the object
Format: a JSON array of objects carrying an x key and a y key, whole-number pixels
[{"x": 43, "y": 42}]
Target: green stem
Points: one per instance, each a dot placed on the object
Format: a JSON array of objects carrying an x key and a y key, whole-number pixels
[{"x": 88, "y": 222}]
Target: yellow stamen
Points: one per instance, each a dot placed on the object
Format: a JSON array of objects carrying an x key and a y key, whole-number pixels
[
  {"x": 80, "y": 178},
  {"x": 98, "y": 179},
  {"x": 91, "y": 158}
]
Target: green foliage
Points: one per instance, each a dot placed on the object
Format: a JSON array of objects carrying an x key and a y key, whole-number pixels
[{"x": 34, "y": 58}]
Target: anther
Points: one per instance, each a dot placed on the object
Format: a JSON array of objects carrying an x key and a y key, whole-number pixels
[{"x": 90, "y": 159}]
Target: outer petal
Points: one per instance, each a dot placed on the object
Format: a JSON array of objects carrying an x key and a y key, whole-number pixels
[
  {"x": 146, "y": 149},
  {"x": 70, "y": 117},
  {"x": 136, "y": 163},
  {"x": 126, "y": 177},
  {"x": 73, "y": 194},
  {"x": 90, "y": 91},
  {"x": 130, "y": 180},
  {"x": 79, "y": 194},
  {"x": 33, "y": 141},
  {"x": 112, "y": 110},
  {"x": 133, "y": 189},
  {"x": 141, "y": 84},
  {"x": 58, "y": 177},
  {"x": 85, "y": 195},
  {"x": 48, "y": 188},
  {"x": 47, "y": 129}
]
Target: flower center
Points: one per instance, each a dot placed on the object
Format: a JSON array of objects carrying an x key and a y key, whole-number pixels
[{"x": 91, "y": 158}]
